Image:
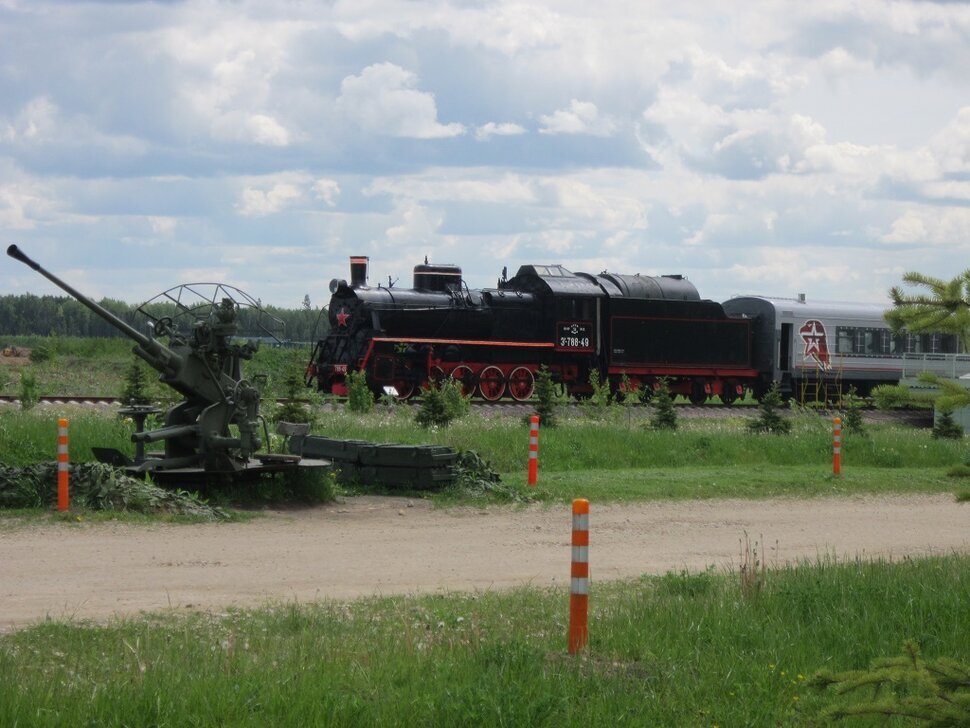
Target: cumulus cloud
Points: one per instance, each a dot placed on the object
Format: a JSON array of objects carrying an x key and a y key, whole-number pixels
[
  {"x": 257, "y": 202},
  {"x": 383, "y": 100},
  {"x": 487, "y": 131},
  {"x": 581, "y": 117},
  {"x": 440, "y": 186},
  {"x": 327, "y": 190},
  {"x": 162, "y": 225},
  {"x": 36, "y": 122},
  {"x": 929, "y": 226}
]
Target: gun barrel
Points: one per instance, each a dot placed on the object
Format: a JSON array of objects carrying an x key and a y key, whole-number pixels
[{"x": 16, "y": 253}]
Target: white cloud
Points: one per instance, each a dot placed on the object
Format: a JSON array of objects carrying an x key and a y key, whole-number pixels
[
  {"x": 441, "y": 185},
  {"x": 383, "y": 100},
  {"x": 487, "y": 131},
  {"x": 582, "y": 117},
  {"x": 417, "y": 225},
  {"x": 255, "y": 202},
  {"x": 327, "y": 190},
  {"x": 162, "y": 225},
  {"x": 36, "y": 122},
  {"x": 17, "y": 207},
  {"x": 932, "y": 226}
]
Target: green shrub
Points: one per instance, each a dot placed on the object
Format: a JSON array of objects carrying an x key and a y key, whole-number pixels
[
  {"x": 43, "y": 352},
  {"x": 136, "y": 384},
  {"x": 664, "y": 416},
  {"x": 293, "y": 408},
  {"x": 29, "y": 393},
  {"x": 441, "y": 403},
  {"x": 546, "y": 398},
  {"x": 600, "y": 399},
  {"x": 769, "y": 420},
  {"x": 852, "y": 405},
  {"x": 360, "y": 399},
  {"x": 946, "y": 428}
]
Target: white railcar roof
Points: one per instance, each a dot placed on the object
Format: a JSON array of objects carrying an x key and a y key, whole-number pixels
[{"x": 821, "y": 309}]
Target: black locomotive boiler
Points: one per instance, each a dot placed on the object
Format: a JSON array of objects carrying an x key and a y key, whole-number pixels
[{"x": 493, "y": 341}]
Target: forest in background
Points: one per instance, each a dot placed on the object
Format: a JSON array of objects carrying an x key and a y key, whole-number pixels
[{"x": 31, "y": 315}]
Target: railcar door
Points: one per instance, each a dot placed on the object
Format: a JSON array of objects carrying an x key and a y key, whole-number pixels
[{"x": 784, "y": 352}]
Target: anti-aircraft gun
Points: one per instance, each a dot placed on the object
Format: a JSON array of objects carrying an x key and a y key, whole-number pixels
[{"x": 215, "y": 429}]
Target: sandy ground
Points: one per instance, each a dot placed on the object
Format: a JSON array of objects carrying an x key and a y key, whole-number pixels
[{"x": 374, "y": 545}]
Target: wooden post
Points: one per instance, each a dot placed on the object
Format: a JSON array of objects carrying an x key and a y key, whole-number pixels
[{"x": 579, "y": 581}]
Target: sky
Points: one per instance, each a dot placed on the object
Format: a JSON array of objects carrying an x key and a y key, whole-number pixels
[{"x": 770, "y": 148}]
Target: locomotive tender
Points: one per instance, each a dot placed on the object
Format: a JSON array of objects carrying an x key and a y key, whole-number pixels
[{"x": 630, "y": 328}]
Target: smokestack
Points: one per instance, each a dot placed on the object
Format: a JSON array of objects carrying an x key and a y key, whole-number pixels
[{"x": 358, "y": 271}]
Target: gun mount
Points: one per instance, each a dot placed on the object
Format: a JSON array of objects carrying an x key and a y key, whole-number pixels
[{"x": 216, "y": 427}]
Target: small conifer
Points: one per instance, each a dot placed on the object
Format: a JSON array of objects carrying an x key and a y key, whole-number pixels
[
  {"x": 769, "y": 420},
  {"x": 546, "y": 397},
  {"x": 360, "y": 399},
  {"x": 664, "y": 416},
  {"x": 946, "y": 428}
]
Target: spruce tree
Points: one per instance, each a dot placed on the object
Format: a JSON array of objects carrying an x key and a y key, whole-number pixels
[
  {"x": 946, "y": 428},
  {"x": 664, "y": 416},
  {"x": 769, "y": 420},
  {"x": 546, "y": 397},
  {"x": 135, "y": 390}
]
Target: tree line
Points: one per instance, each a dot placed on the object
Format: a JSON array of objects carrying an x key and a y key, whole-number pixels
[{"x": 30, "y": 315}]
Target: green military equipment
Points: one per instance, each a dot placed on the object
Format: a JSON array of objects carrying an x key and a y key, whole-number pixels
[{"x": 217, "y": 426}]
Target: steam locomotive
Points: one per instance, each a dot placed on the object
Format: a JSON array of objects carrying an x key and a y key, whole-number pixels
[{"x": 628, "y": 330}]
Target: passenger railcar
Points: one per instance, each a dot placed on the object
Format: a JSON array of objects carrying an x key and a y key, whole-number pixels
[{"x": 817, "y": 350}]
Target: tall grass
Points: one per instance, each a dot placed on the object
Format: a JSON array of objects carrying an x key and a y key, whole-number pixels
[
  {"x": 582, "y": 444},
  {"x": 603, "y": 460},
  {"x": 96, "y": 366},
  {"x": 681, "y": 649}
]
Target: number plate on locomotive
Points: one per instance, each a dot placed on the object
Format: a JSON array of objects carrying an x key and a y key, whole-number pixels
[{"x": 574, "y": 336}]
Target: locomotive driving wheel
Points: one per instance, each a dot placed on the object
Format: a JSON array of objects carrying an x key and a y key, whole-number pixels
[
  {"x": 491, "y": 383},
  {"x": 404, "y": 389},
  {"x": 521, "y": 384},
  {"x": 464, "y": 376}
]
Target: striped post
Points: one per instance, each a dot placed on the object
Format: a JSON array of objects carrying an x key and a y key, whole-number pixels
[
  {"x": 579, "y": 583},
  {"x": 534, "y": 450},
  {"x": 63, "y": 496},
  {"x": 837, "y": 446}
]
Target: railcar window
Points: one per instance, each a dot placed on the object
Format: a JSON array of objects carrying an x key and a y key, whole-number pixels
[
  {"x": 864, "y": 341},
  {"x": 861, "y": 341}
]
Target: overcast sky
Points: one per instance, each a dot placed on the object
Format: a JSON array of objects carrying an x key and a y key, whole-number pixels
[{"x": 772, "y": 147}]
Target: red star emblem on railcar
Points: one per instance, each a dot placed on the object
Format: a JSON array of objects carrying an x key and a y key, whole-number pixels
[
  {"x": 816, "y": 343},
  {"x": 342, "y": 317}
]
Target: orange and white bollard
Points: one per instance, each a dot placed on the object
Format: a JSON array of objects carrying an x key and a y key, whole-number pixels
[
  {"x": 579, "y": 583},
  {"x": 534, "y": 450},
  {"x": 63, "y": 495},
  {"x": 837, "y": 446}
]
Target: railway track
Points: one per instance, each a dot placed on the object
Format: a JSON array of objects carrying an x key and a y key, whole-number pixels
[{"x": 916, "y": 418}]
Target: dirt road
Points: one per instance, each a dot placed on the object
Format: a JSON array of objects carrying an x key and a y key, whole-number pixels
[{"x": 373, "y": 545}]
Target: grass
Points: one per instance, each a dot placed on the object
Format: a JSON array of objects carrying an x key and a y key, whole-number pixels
[
  {"x": 602, "y": 460},
  {"x": 97, "y": 367},
  {"x": 699, "y": 649},
  {"x": 680, "y": 649}
]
